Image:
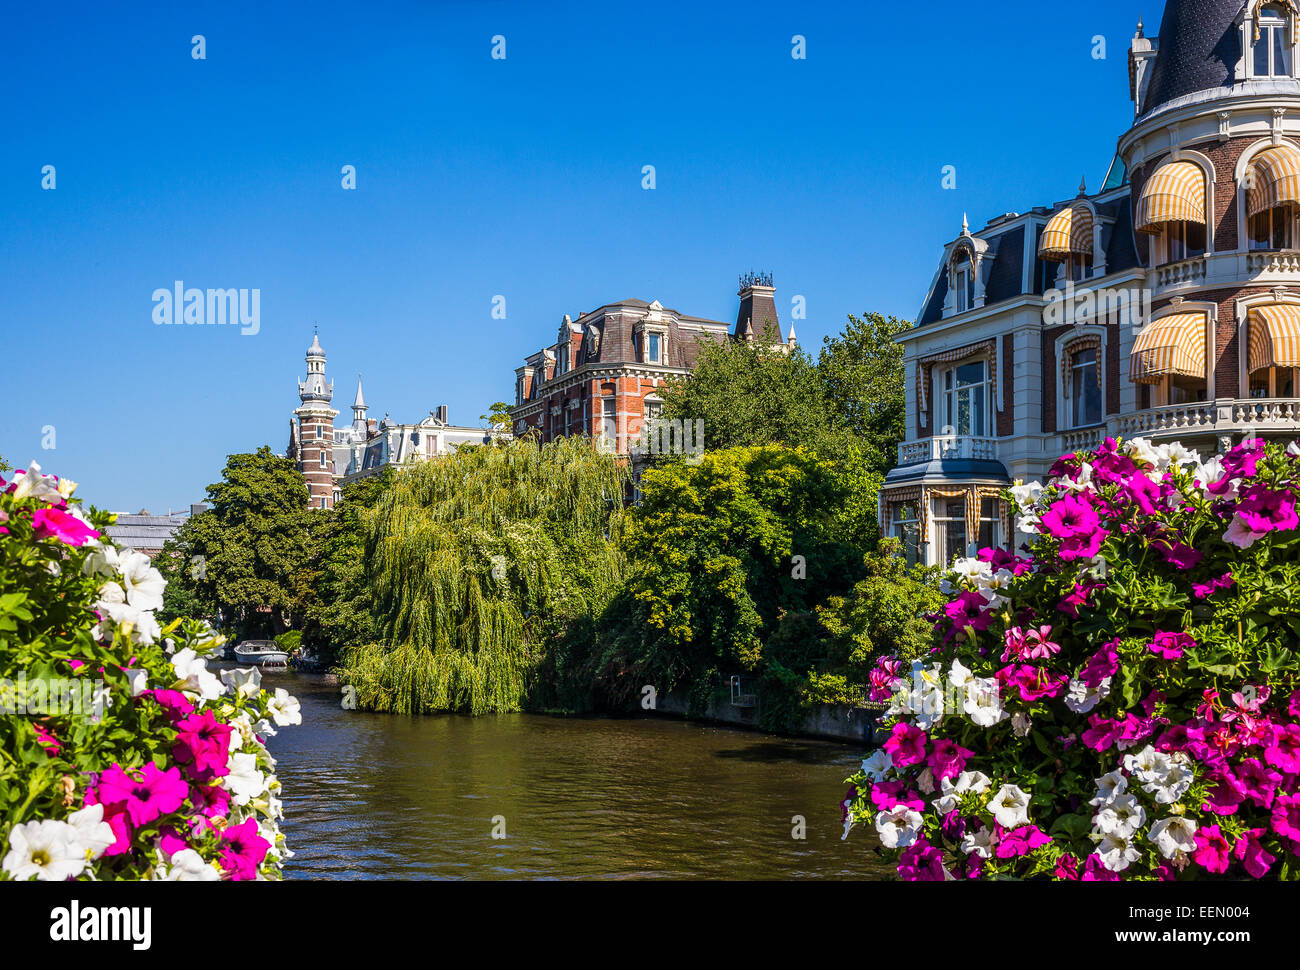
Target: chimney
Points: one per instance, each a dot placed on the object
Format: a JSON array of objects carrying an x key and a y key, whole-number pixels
[
  {"x": 441, "y": 413},
  {"x": 757, "y": 307}
]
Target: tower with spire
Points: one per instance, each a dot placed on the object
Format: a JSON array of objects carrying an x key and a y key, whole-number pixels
[
  {"x": 311, "y": 442},
  {"x": 359, "y": 409}
]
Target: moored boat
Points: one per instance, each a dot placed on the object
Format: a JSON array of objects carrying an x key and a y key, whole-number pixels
[{"x": 264, "y": 653}]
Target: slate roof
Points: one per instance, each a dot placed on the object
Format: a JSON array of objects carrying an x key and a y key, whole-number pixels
[
  {"x": 1197, "y": 48},
  {"x": 144, "y": 531}
]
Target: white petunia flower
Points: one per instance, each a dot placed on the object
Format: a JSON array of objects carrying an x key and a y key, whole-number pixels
[
  {"x": 1010, "y": 806},
  {"x": 284, "y": 708},
  {"x": 879, "y": 765},
  {"x": 1080, "y": 698},
  {"x": 245, "y": 782},
  {"x": 244, "y": 681},
  {"x": 32, "y": 484},
  {"x": 91, "y": 832},
  {"x": 1148, "y": 764},
  {"x": 188, "y": 866},
  {"x": 45, "y": 849},
  {"x": 1140, "y": 449},
  {"x": 1116, "y": 852},
  {"x": 1026, "y": 494},
  {"x": 1173, "y": 785},
  {"x": 1020, "y": 724},
  {"x": 1173, "y": 835},
  {"x": 143, "y": 584},
  {"x": 1121, "y": 816},
  {"x": 983, "y": 703},
  {"x": 978, "y": 843},
  {"x": 1109, "y": 787},
  {"x": 193, "y": 670},
  {"x": 899, "y": 827}
]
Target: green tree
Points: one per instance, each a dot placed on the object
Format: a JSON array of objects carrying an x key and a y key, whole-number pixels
[
  {"x": 498, "y": 416},
  {"x": 251, "y": 545},
  {"x": 478, "y": 562},
  {"x": 338, "y": 609},
  {"x": 712, "y": 549},
  {"x": 863, "y": 382},
  {"x": 753, "y": 393}
]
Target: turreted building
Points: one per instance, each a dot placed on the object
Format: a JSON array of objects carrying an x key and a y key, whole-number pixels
[
  {"x": 1165, "y": 305},
  {"x": 330, "y": 457}
]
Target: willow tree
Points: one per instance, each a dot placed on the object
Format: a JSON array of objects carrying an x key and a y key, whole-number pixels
[{"x": 477, "y": 562}]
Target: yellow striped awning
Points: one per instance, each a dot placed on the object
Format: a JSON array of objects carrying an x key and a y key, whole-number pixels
[
  {"x": 1274, "y": 336},
  {"x": 1171, "y": 345},
  {"x": 1069, "y": 232},
  {"x": 1273, "y": 178},
  {"x": 1175, "y": 192}
]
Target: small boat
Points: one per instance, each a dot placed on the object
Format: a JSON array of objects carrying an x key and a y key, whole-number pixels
[{"x": 264, "y": 653}]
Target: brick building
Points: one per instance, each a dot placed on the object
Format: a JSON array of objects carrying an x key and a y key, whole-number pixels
[
  {"x": 330, "y": 457},
  {"x": 1165, "y": 306},
  {"x": 603, "y": 374}
]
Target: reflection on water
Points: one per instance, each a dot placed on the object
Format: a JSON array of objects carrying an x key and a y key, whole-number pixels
[{"x": 372, "y": 796}]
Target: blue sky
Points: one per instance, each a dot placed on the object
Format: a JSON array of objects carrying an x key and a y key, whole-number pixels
[{"x": 477, "y": 177}]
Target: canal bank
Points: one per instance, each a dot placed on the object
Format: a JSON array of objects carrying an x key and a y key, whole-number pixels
[
  {"x": 370, "y": 796},
  {"x": 827, "y": 722}
]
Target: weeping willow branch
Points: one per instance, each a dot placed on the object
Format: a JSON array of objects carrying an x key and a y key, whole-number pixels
[{"x": 477, "y": 560}]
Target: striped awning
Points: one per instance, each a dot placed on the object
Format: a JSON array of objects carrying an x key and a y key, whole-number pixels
[
  {"x": 1174, "y": 193},
  {"x": 1067, "y": 233},
  {"x": 1171, "y": 345},
  {"x": 1274, "y": 179},
  {"x": 1274, "y": 336}
]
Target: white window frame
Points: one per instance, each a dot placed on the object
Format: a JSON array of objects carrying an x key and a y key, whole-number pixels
[
  {"x": 948, "y": 397},
  {"x": 1078, "y": 373},
  {"x": 1267, "y": 28},
  {"x": 324, "y": 458},
  {"x": 898, "y": 525}
]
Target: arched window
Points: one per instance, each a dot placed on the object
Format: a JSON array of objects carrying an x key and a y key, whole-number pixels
[{"x": 1271, "y": 53}]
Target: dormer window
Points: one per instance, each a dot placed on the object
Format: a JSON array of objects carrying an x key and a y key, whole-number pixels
[
  {"x": 653, "y": 347},
  {"x": 563, "y": 365},
  {"x": 1271, "y": 53},
  {"x": 963, "y": 284}
]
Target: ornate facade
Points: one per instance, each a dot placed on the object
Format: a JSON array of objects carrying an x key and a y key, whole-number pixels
[
  {"x": 1166, "y": 305},
  {"x": 602, "y": 375}
]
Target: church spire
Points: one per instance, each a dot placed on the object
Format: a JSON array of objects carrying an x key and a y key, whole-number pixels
[{"x": 359, "y": 408}]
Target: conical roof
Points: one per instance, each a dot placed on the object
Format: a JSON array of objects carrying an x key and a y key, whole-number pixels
[{"x": 1198, "y": 46}]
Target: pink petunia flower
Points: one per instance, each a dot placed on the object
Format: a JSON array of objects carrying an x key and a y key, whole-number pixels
[
  {"x": 49, "y": 522},
  {"x": 145, "y": 793},
  {"x": 1250, "y": 852},
  {"x": 1170, "y": 646},
  {"x": 947, "y": 759},
  {"x": 242, "y": 850},
  {"x": 1212, "y": 849},
  {"x": 906, "y": 745}
]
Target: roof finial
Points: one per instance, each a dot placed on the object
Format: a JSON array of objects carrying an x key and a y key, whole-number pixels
[
  {"x": 1083, "y": 186},
  {"x": 965, "y": 225},
  {"x": 1139, "y": 33}
]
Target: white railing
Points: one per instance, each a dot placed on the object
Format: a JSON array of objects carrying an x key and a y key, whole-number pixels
[
  {"x": 1184, "y": 271},
  {"x": 1084, "y": 439},
  {"x": 1267, "y": 413},
  {"x": 1173, "y": 417},
  {"x": 1273, "y": 261},
  {"x": 946, "y": 446}
]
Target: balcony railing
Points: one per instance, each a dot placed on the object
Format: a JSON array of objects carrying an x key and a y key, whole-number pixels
[
  {"x": 1267, "y": 413},
  {"x": 1273, "y": 261},
  {"x": 1198, "y": 415},
  {"x": 942, "y": 447},
  {"x": 1184, "y": 271},
  {"x": 1085, "y": 439}
]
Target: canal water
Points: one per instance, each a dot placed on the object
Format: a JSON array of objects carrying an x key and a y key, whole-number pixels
[{"x": 381, "y": 796}]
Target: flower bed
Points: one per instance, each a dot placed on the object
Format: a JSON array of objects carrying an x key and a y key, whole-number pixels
[
  {"x": 121, "y": 755},
  {"x": 1120, "y": 702}
]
